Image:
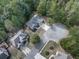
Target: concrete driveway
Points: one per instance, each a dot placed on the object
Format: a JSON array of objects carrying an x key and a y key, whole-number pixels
[
  {"x": 31, "y": 55},
  {"x": 55, "y": 33}
]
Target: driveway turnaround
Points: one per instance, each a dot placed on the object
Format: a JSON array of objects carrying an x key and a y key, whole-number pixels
[{"x": 55, "y": 33}]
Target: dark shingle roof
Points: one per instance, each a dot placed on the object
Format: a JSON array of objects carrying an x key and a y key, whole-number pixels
[
  {"x": 3, "y": 56},
  {"x": 35, "y": 22},
  {"x": 19, "y": 41},
  {"x": 3, "y": 53}
]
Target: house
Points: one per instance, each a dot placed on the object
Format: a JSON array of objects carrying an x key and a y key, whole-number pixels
[
  {"x": 3, "y": 53},
  {"x": 19, "y": 39},
  {"x": 35, "y": 22}
]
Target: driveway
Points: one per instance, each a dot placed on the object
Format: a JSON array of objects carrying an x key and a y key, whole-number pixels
[
  {"x": 55, "y": 33},
  {"x": 40, "y": 45},
  {"x": 34, "y": 50},
  {"x": 31, "y": 55}
]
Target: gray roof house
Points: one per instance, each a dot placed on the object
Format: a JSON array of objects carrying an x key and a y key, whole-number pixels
[
  {"x": 3, "y": 53},
  {"x": 35, "y": 22},
  {"x": 19, "y": 39}
]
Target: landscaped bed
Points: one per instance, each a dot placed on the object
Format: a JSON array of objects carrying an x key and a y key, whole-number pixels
[{"x": 50, "y": 49}]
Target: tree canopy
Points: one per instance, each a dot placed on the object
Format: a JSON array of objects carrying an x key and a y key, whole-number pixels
[
  {"x": 13, "y": 15},
  {"x": 71, "y": 43},
  {"x": 64, "y": 11},
  {"x": 35, "y": 39}
]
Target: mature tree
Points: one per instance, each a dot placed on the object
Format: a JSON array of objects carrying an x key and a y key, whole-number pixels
[
  {"x": 16, "y": 21},
  {"x": 72, "y": 8},
  {"x": 4, "y": 2},
  {"x": 35, "y": 4},
  {"x": 51, "y": 7},
  {"x": 64, "y": 11},
  {"x": 35, "y": 39},
  {"x": 3, "y": 36},
  {"x": 14, "y": 14},
  {"x": 42, "y": 7},
  {"x": 50, "y": 20},
  {"x": 9, "y": 25},
  {"x": 71, "y": 44},
  {"x": 1, "y": 10}
]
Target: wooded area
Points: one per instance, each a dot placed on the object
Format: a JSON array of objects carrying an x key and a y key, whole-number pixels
[
  {"x": 14, "y": 14},
  {"x": 71, "y": 44},
  {"x": 66, "y": 12}
]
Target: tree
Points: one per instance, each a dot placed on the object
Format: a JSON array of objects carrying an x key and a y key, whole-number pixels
[
  {"x": 16, "y": 21},
  {"x": 71, "y": 44},
  {"x": 51, "y": 7},
  {"x": 35, "y": 39},
  {"x": 9, "y": 25},
  {"x": 41, "y": 9},
  {"x": 14, "y": 14},
  {"x": 3, "y": 36},
  {"x": 72, "y": 8},
  {"x": 4, "y": 2},
  {"x": 35, "y": 4},
  {"x": 1, "y": 10},
  {"x": 50, "y": 20},
  {"x": 20, "y": 11}
]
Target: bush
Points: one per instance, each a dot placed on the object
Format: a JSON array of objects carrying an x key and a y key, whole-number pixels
[
  {"x": 46, "y": 53},
  {"x": 35, "y": 39},
  {"x": 51, "y": 47}
]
